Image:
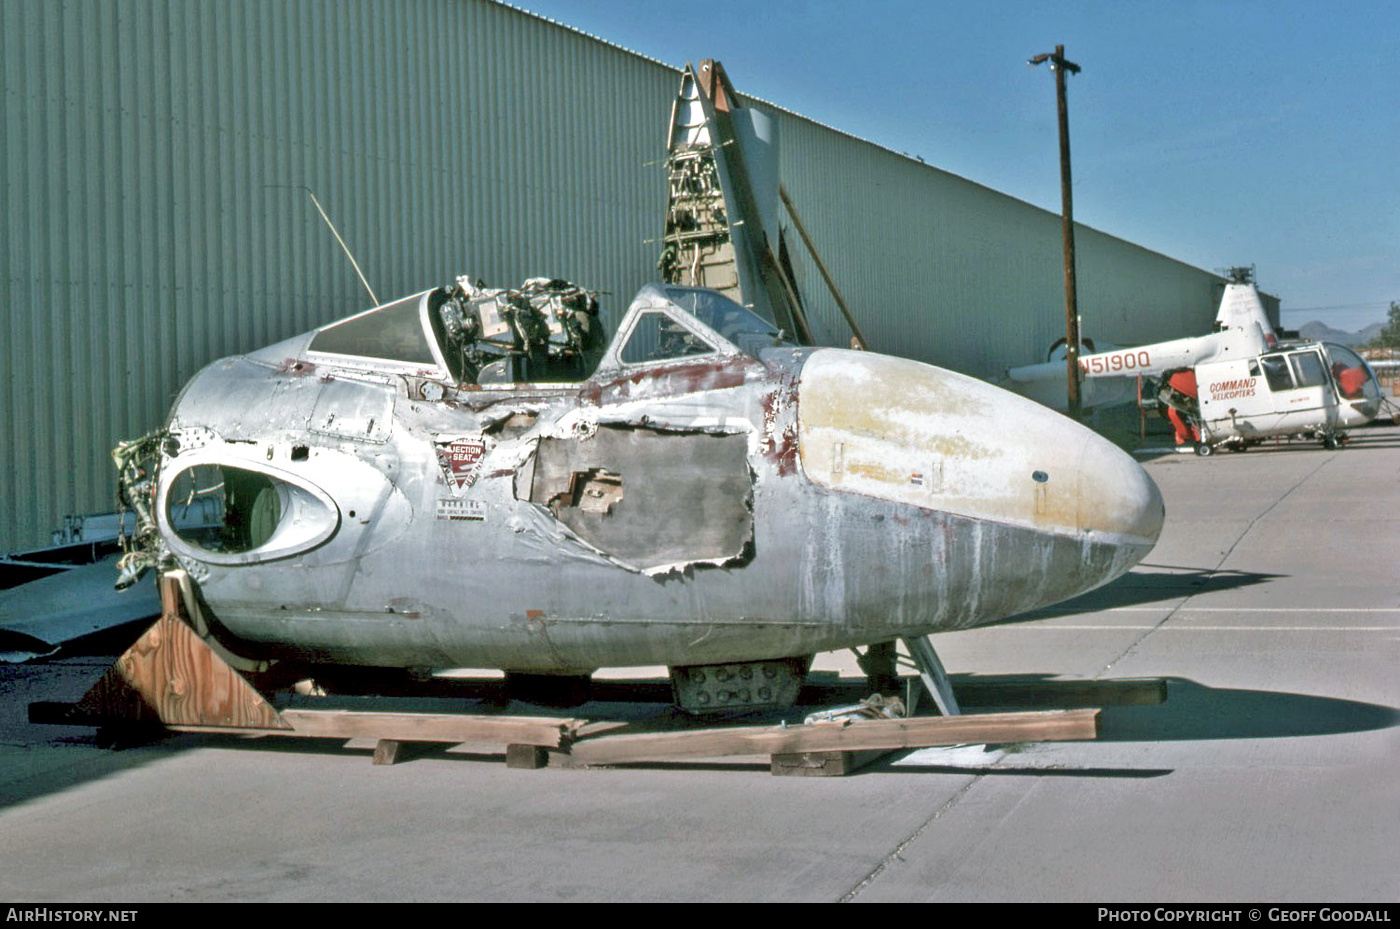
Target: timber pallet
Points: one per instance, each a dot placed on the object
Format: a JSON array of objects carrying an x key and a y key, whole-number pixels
[{"x": 172, "y": 680}]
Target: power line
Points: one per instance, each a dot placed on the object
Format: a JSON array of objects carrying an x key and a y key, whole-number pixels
[{"x": 1383, "y": 305}]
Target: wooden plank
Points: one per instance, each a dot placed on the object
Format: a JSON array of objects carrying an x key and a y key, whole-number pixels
[
  {"x": 428, "y": 727},
  {"x": 821, "y": 764},
  {"x": 826, "y": 688},
  {"x": 386, "y": 751},
  {"x": 527, "y": 757},
  {"x": 826, "y": 275},
  {"x": 920, "y": 732}
]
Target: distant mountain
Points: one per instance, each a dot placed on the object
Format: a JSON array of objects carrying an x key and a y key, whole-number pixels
[{"x": 1325, "y": 333}]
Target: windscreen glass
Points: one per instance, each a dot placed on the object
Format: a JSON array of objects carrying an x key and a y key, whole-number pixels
[
  {"x": 393, "y": 332},
  {"x": 1276, "y": 372},
  {"x": 746, "y": 329},
  {"x": 658, "y": 337},
  {"x": 1307, "y": 369},
  {"x": 1350, "y": 373}
]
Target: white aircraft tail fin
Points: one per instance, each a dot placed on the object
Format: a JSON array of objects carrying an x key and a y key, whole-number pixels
[{"x": 1241, "y": 308}]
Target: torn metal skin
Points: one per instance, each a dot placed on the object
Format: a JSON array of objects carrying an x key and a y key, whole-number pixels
[{"x": 708, "y": 494}]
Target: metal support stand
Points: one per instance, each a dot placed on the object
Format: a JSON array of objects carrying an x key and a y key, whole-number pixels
[
  {"x": 934, "y": 677},
  {"x": 880, "y": 666}
]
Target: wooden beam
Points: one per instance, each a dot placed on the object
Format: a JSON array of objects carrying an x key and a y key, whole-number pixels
[
  {"x": 826, "y": 275},
  {"x": 799, "y": 315},
  {"x": 526, "y": 757},
  {"x": 427, "y": 727},
  {"x": 445, "y": 728},
  {"x": 863, "y": 735},
  {"x": 386, "y": 751},
  {"x": 821, "y": 764}
]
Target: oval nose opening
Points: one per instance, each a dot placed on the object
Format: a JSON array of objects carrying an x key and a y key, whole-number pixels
[{"x": 226, "y": 514}]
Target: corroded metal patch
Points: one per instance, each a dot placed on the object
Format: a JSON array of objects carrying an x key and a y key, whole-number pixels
[{"x": 910, "y": 433}]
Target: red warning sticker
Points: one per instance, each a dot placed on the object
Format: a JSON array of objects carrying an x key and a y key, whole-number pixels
[{"x": 460, "y": 460}]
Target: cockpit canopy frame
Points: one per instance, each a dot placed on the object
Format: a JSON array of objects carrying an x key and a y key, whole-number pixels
[{"x": 665, "y": 324}]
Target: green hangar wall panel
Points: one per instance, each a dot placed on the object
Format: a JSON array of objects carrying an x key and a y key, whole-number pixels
[{"x": 155, "y": 157}]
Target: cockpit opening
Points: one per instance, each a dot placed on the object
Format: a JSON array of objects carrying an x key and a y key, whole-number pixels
[{"x": 544, "y": 330}]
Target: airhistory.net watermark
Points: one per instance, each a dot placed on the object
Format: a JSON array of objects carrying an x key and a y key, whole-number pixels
[{"x": 44, "y": 914}]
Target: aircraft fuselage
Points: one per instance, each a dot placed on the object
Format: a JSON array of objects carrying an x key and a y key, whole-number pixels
[{"x": 705, "y": 496}]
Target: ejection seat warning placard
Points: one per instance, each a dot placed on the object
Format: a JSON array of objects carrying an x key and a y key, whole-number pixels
[
  {"x": 460, "y": 460},
  {"x": 457, "y": 508}
]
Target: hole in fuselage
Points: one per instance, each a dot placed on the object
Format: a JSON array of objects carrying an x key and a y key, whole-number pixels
[{"x": 224, "y": 509}]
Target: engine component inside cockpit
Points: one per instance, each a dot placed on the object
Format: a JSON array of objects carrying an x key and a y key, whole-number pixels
[{"x": 544, "y": 330}]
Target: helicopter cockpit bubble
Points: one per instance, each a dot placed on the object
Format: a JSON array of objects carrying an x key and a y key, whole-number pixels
[{"x": 1355, "y": 381}]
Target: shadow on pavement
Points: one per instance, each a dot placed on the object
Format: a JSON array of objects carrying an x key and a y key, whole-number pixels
[
  {"x": 1195, "y": 712},
  {"x": 1139, "y": 587}
]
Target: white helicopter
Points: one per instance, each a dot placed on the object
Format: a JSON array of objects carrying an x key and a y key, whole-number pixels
[{"x": 1233, "y": 388}]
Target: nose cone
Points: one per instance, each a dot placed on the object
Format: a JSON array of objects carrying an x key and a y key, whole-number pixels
[
  {"x": 1115, "y": 497},
  {"x": 910, "y": 433}
]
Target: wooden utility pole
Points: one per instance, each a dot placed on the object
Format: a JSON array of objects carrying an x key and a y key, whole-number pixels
[{"x": 1060, "y": 64}]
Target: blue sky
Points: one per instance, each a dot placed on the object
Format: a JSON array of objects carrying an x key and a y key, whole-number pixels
[{"x": 1219, "y": 133}]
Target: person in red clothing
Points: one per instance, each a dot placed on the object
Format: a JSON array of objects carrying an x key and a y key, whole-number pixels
[
  {"x": 1350, "y": 381},
  {"x": 1183, "y": 382}
]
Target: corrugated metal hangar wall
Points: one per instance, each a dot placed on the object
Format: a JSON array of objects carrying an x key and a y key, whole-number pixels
[{"x": 154, "y": 218}]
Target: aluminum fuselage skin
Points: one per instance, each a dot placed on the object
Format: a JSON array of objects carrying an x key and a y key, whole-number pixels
[{"x": 883, "y": 498}]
